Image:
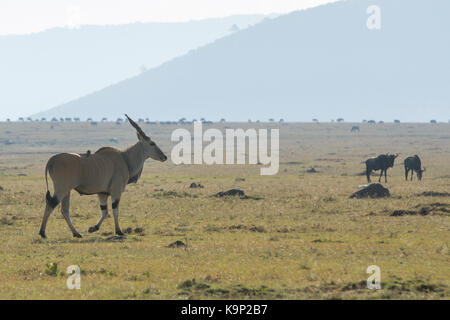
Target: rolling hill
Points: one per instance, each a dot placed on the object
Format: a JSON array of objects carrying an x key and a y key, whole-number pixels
[
  {"x": 49, "y": 68},
  {"x": 319, "y": 63}
]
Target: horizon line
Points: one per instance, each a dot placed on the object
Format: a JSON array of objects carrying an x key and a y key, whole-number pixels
[{"x": 66, "y": 27}]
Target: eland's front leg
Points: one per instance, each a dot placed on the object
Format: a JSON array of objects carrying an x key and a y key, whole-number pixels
[
  {"x": 115, "y": 207},
  {"x": 65, "y": 204},
  {"x": 103, "y": 199}
]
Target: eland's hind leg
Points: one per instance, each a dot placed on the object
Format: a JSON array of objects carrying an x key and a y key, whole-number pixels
[
  {"x": 115, "y": 207},
  {"x": 65, "y": 204},
  {"x": 51, "y": 204},
  {"x": 103, "y": 199}
]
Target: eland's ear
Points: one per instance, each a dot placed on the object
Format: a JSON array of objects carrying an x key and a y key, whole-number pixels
[{"x": 141, "y": 138}]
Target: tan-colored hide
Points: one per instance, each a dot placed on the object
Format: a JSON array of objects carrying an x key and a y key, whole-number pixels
[
  {"x": 105, "y": 173},
  {"x": 101, "y": 172}
]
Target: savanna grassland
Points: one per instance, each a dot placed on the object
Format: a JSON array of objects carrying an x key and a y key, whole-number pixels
[{"x": 298, "y": 236}]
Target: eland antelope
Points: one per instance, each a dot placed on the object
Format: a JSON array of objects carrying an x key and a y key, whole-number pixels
[{"x": 105, "y": 173}]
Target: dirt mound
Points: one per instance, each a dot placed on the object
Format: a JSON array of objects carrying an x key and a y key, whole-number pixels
[
  {"x": 374, "y": 190},
  {"x": 434, "y": 194},
  {"x": 399, "y": 213},
  {"x": 235, "y": 192},
  {"x": 196, "y": 186},
  {"x": 232, "y": 192},
  {"x": 435, "y": 208},
  {"x": 177, "y": 244}
]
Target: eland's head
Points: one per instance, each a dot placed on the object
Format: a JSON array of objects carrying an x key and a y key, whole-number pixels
[{"x": 151, "y": 150}]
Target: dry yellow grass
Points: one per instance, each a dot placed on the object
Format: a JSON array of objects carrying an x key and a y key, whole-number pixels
[{"x": 303, "y": 240}]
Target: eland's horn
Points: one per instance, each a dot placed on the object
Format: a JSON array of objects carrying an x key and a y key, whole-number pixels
[{"x": 135, "y": 125}]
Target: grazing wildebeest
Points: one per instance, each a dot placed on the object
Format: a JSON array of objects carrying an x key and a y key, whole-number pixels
[
  {"x": 105, "y": 173},
  {"x": 382, "y": 162},
  {"x": 413, "y": 164},
  {"x": 354, "y": 128}
]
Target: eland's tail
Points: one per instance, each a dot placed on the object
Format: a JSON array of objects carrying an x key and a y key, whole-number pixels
[{"x": 53, "y": 201}]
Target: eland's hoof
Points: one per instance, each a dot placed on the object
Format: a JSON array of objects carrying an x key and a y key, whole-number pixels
[
  {"x": 77, "y": 235},
  {"x": 120, "y": 233},
  {"x": 93, "y": 229},
  {"x": 42, "y": 234}
]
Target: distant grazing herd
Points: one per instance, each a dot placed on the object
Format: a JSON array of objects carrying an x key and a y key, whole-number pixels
[{"x": 385, "y": 161}]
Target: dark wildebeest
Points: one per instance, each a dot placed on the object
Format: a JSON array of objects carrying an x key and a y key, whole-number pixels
[
  {"x": 382, "y": 162},
  {"x": 413, "y": 164}
]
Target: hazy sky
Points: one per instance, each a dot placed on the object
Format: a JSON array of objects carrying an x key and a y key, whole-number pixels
[{"x": 27, "y": 16}]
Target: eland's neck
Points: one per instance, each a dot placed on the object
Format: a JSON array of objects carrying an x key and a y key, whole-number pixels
[{"x": 135, "y": 158}]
